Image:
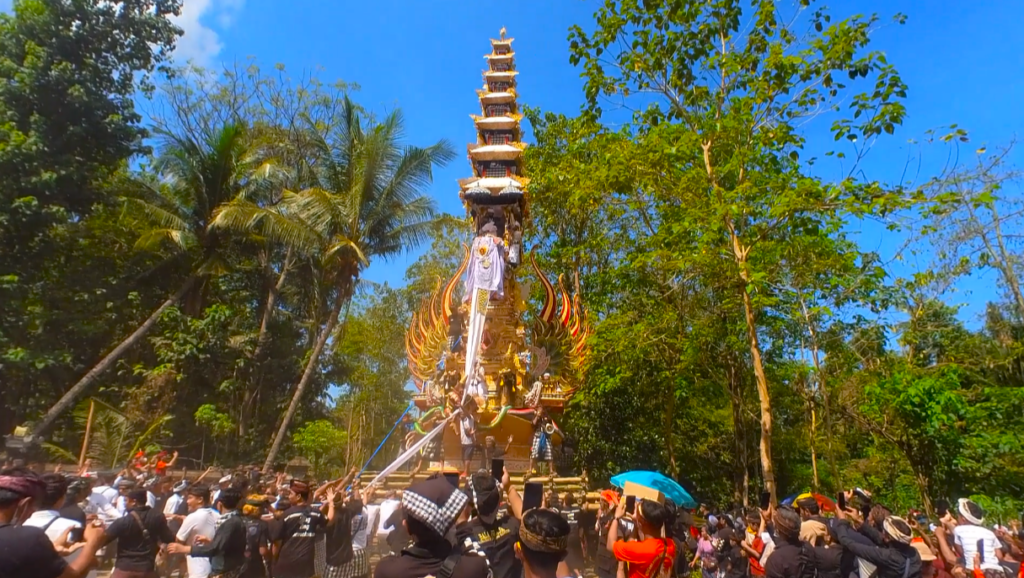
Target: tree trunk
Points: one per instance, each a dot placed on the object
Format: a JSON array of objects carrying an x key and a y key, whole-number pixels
[
  {"x": 77, "y": 390},
  {"x": 814, "y": 451},
  {"x": 739, "y": 477},
  {"x": 307, "y": 374},
  {"x": 819, "y": 377},
  {"x": 256, "y": 376},
  {"x": 762, "y": 386}
]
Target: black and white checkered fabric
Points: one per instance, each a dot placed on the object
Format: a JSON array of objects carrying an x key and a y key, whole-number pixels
[
  {"x": 358, "y": 566},
  {"x": 536, "y": 452},
  {"x": 440, "y": 518}
]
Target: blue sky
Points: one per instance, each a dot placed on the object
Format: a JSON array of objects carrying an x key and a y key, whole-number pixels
[{"x": 961, "y": 60}]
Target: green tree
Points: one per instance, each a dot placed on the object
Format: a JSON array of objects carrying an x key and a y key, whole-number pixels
[
  {"x": 733, "y": 86},
  {"x": 365, "y": 201},
  {"x": 174, "y": 215},
  {"x": 320, "y": 442}
]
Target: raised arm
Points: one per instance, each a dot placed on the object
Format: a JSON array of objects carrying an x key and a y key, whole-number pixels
[{"x": 515, "y": 503}]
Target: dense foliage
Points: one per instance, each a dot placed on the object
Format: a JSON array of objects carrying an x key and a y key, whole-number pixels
[
  {"x": 744, "y": 335},
  {"x": 198, "y": 280}
]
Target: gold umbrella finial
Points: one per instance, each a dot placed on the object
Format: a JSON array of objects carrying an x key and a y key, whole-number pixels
[{"x": 502, "y": 32}]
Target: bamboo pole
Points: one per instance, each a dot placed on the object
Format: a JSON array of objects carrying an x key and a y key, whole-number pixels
[{"x": 88, "y": 431}]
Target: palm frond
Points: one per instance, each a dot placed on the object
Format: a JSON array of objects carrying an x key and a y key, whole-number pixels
[
  {"x": 151, "y": 212},
  {"x": 60, "y": 453}
]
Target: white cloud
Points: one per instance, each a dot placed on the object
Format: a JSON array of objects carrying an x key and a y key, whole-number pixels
[{"x": 201, "y": 43}]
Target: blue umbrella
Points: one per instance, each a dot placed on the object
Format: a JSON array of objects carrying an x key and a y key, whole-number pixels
[{"x": 660, "y": 482}]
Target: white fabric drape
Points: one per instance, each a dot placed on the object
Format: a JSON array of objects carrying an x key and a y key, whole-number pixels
[{"x": 415, "y": 448}]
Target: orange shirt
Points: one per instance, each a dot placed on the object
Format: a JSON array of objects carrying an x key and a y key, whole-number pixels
[
  {"x": 641, "y": 556},
  {"x": 755, "y": 563}
]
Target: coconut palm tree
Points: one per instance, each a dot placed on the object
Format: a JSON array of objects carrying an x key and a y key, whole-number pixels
[
  {"x": 173, "y": 207},
  {"x": 365, "y": 200}
]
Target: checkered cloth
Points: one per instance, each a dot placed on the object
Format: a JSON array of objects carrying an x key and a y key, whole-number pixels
[
  {"x": 536, "y": 451},
  {"x": 358, "y": 566},
  {"x": 432, "y": 508},
  {"x": 320, "y": 554}
]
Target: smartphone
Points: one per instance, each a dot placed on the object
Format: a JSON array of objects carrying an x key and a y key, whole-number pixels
[
  {"x": 533, "y": 495},
  {"x": 76, "y": 535},
  {"x": 453, "y": 478},
  {"x": 630, "y": 504},
  {"x": 981, "y": 550},
  {"x": 841, "y": 500},
  {"x": 497, "y": 469},
  {"x": 865, "y": 511},
  {"x": 766, "y": 500}
]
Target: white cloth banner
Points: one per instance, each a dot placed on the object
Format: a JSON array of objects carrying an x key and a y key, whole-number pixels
[
  {"x": 475, "y": 331},
  {"x": 415, "y": 448}
]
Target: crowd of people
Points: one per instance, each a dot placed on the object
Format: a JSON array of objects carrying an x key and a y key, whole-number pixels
[{"x": 139, "y": 523}]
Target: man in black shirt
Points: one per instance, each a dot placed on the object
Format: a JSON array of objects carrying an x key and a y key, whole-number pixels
[
  {"x": 340, "y": 554},
  {"x": 26, "y": 551},
  {"x": 78, "y": 489},
  {"x": 788, "y": 560},
  {"x": 139, "y": 534},
  {"x": 431, "y": 508},
  {"x": 398, "y": 537},
  {"x": 296, "y": 536},
  {"x": 227, "y": 548},
  {"x": 487, "y": 533},
  {"x": 574, "y": 548},
  {"x": 896, "y": 559}
]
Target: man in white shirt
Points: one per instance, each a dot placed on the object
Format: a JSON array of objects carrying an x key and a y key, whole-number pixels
[
  {"x": 969, "y": 532},
  {"x": 200, "y": 522},
  {"x": 387, "y": 507},
  {"x": 102, "y": 498},
  {"x": 48, "y": 518},
  {"x": 175, "y": 500}
]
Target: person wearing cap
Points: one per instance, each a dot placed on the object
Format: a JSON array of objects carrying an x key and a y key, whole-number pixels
[
  {"x": 488, "y": 533},
  {"x": 969, "y": 531},
  {"x": 138, "y": 534},
  {"x": 26, "y": 551},
  {"x": 431, "y": 509},
  {"x": 813, "y": 528},
  {"x": 200, "y": 524},
  {"x": 543, "y": 544},
  {"x": 896, "y": 558},
  {"x": 296, "y": 536}
]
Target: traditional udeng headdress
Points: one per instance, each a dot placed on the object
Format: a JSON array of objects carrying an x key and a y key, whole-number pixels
[
  {"x": 890, "y": 528},
  {"x": 539, "y": 543}
]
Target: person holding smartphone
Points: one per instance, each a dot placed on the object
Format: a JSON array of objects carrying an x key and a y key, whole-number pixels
[
  {"x": 647, "y": 557},
  {"x": 489, "y": 533}
]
